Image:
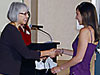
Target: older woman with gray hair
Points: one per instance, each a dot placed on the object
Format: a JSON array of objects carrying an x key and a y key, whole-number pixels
[{"x": 12, "y": 46}]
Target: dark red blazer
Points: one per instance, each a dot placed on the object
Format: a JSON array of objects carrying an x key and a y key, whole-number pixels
[{"x": 26, "y": 35}]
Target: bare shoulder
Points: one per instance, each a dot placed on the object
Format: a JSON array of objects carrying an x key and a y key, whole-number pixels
[
  {"x": 84, "y": 31},
  {"x": 84, "y": 36}
]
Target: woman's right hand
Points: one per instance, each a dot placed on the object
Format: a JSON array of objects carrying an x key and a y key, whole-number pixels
[
  {"x": 55, "y": 52},
  {"x": 51, "y": 53}
]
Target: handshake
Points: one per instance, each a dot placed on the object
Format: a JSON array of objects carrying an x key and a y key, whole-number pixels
[
  {"x": 55, "y": 52},
  {"x": 51, "y": 53}
]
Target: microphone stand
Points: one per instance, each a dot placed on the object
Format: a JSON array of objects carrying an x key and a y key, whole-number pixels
[
  {"x": 38, "y": 28},
  {"x": 46, "y": 33}
]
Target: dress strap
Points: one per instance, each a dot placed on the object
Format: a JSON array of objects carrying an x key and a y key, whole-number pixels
[{"x": 91, "y": 34}]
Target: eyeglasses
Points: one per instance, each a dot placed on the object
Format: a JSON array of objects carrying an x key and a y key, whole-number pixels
[{"x": 25, "y": 13}]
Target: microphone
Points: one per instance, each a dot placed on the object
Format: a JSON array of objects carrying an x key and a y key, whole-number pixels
[{"x": 37, "y": 26}]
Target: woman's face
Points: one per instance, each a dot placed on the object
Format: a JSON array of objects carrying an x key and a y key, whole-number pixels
[
  {"x": 79, "y": 17},
  {"x": 23, "y": 17}
]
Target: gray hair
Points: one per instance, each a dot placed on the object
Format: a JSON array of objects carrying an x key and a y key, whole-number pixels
[{"x": 15, "y": 9}]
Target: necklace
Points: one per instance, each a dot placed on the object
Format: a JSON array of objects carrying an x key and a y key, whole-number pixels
[{"x": 14, "y": 24}]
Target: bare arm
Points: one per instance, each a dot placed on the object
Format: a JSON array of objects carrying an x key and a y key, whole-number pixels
[{"x": 66, "y": 51}]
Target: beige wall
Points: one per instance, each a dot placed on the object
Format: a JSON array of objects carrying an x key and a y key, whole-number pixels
[{"x": 58, "y": 18}]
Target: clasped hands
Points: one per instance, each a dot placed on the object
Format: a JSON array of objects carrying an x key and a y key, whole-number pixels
[
  {"x": 55, "y": 52},
  {"x": 51, "y": 53}
]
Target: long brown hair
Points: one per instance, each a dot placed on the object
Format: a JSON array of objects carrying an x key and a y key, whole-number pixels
[{"x": 89, "y": 16}]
